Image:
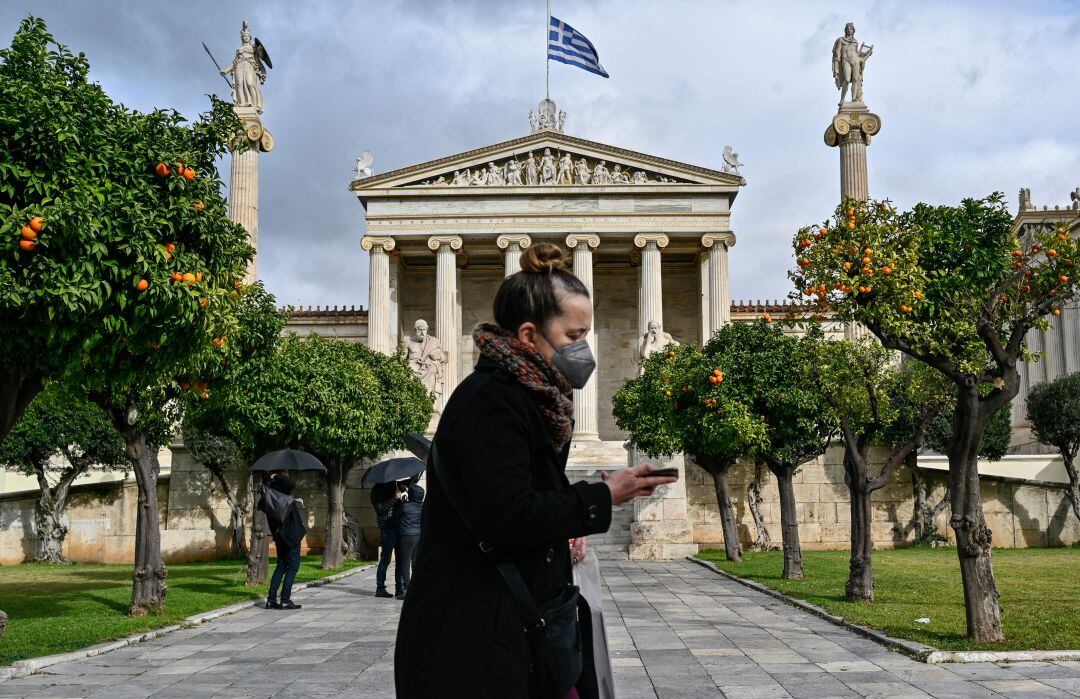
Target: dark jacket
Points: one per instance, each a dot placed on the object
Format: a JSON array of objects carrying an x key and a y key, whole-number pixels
[
  {"x": 460, "y": 634},
  {"x": 410, "y": 511},
  {"x": 382, "y": 499},
  {"x": 282, "y": 514}
]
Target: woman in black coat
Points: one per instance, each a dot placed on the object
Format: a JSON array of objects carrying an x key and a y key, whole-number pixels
[{"x": 504, "y": 437}]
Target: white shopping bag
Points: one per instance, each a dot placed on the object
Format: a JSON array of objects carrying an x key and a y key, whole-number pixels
[{"x": 587, "y": 578}]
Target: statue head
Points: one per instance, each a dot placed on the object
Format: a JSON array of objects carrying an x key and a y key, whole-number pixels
[
  {"x": 245, "y": 33},
  {"x": 547, "y": 151},
  {"x": 421, "y": 329},
  {"x": 849, "y": 30},
  {"x": 618, "y": 168},
  {"x": 654, "y": 328}
]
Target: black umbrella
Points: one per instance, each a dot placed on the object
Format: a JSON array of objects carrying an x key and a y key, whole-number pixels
[
  {"x": 393, "y": 470},
  {"x": 287, "y": 460},
  {"x": 419, "y": 445}
]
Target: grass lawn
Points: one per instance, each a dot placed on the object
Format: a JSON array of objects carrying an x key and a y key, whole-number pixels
[
  {"x": 1040, "y": 593},
  {"x": 55, "y": 609}
]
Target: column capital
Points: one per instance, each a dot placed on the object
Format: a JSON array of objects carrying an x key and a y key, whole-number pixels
[
  {"x": 452, "y": 242},
  {"x": 591, "y": 240},
  {"x": 725, "y": 237},
  {"x": 642, "y": 239},
  {"x": 505, "y": 240},
  {"x": 852, "y": 125},
  {"x": 377, "y": 243}
]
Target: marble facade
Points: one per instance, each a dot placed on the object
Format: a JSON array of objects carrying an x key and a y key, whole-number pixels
[{"x": 651, "y": 239}]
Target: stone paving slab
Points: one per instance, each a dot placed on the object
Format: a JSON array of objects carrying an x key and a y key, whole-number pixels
[{"x": 675, "y": 630}]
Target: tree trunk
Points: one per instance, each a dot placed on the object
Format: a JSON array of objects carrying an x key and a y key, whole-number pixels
[
  {"x": 148, "y": 588},
  {"x": 762, "y": 540},
  {"x": 1072, "y": 490},
  {"x": 789, "y": 524},
  {"x": 334, "y": 549},
  {"x": 860, "y": 583},
  {"x": 259, "y": 553},
  {"x": 925, "y": 513},
  {"x": 17, "y": 389},
  {"x": 237, "y": 514},
  {"x": 48, "y": 517},
  {"x": 3, "y": 622},
  {"x": 719, "y": 473},
  {"x": 973, "y": 537}
]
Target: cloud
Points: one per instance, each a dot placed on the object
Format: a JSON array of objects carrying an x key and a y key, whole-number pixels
[{"x": 974, "y": 97}]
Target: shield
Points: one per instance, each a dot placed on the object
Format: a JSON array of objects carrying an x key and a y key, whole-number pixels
[
  {"x": 288, "y": 460},
  {"x": 392, "y": 470}
]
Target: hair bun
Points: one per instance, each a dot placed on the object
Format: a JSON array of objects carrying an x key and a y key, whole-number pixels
[{"x": 542, "y": 257}]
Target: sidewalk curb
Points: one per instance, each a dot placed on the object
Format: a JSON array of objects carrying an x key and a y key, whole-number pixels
[
  {"x": 918, "y": 651},
  {"x": 31, "y": 666}
]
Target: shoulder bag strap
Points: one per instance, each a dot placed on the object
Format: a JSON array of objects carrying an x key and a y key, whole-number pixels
[{"x": 509, "y": 572}]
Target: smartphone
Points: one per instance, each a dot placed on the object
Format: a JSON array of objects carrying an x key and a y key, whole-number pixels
[{"x": 665, "y": 472}]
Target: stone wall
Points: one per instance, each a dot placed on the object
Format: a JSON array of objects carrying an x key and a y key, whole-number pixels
[{"x": 1020, "y": 513}]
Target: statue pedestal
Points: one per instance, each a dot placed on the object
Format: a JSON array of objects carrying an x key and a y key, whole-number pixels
[
  {"x": 244, "y": 180},
  {"x": 851, "y": 130},
  {"x": 661, "y": 528}
]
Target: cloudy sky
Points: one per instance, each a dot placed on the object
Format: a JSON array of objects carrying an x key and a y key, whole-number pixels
[{"x": 974, "y": 97}]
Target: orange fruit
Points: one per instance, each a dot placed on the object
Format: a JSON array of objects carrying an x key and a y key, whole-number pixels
[
  {"x": 866, "y": 260},
  {"x": 767, "y": 318},
  {"x": 805, "y": 243},
  {"x": 1063, "y": 279},
  {"x": 189, "y": 278},
  {"x": 198, "y": 276},
  {"x": 1018, "y": 253},
  {"x": 868, "y": 251},
  {"x": 28, "y": 233},
  {"x": 851, "y": 225},
  {"x": 823, "y": 232},
  {"x": 847, "y": 265},
  {"x": 1051, "y": 252},
  {"x": 170, "y": 247},
  {"x": 199, "y": 206},
  {"x": 918, "y": 294},
  {"x": 36, "y": 224},
  {"x": 218, "y": 342},
  {"x": 851, "y": 212},
  {"x": 27, "y": 245},
  {"x": 189, "y": 174},
  {"x": 204, "y": 395},
  {"x": 867, "y": 271},
  {"x": 1056, "y": 311},
  {"x": 142, "y": 285},
  {"x": 204, "y": 303},
  {"x": 886, "y": 270},
  {"x": 1004, "y": 297},
  {"x": 162, "y": 170}
]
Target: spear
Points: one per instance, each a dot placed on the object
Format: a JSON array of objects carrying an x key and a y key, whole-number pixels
[{"x": 216, "y": 65}]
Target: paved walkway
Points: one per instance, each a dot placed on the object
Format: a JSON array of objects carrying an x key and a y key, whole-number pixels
[{"x": 676, "y": 630}]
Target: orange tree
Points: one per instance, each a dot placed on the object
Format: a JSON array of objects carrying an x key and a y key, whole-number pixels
[
  {"x": 221, "y": 431},
  {"x": 685, "y": 402},
  {"x": 59, "y": 423},
  {"x": 117, "y": 257},
  {"x": 342, "y": 402},
  {"x": 867, "y": 389},
  {"x": 953, "y": 287}
]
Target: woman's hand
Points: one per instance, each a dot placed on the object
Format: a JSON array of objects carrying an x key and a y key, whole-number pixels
[
  {"x": 629, "y": 483},
  {"x": 577, "y": 550}
]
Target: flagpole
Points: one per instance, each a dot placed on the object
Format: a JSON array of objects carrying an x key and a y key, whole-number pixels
[{"x": 547, "y": 63}]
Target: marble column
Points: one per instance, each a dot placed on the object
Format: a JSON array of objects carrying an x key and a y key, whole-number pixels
[
  {"x": 379, "y": 302},
  {"x": 513, "y": 244},
  {"x": 703, "y": 286},
  {"x": 719, "y": 292},
  {"x": 852, "y": 129},
  {"x": 585, "y": 400},
  {"x": 244, "y": 181},
  {"x": 651, "y": 306},
  {"x": 447, "y": 326}
]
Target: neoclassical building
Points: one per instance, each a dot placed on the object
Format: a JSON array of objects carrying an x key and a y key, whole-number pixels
[{"x": 649, "y": 236}]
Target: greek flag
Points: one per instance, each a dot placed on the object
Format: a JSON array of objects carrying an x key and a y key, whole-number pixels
[{"x": 567, "y": 45}]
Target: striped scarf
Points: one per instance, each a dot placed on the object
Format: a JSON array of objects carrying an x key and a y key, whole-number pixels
[{"x": 546, "y": 386}]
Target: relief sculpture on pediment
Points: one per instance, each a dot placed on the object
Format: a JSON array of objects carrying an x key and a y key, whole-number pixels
[{"x": 550, "y": 168}]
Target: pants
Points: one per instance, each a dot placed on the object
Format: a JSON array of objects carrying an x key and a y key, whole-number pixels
[
  {"x": 288, "y": 562},
  {"x": 388, "y": 543},
  {"x": 405, "y": 553}
]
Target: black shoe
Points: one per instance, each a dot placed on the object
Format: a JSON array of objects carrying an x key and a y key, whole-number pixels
[
  {"x": 271, "y": 604},
  {"x": 381, "y": 592},
  {"x": 399, "y": 595},
  {"x": 289, "y": 605}
]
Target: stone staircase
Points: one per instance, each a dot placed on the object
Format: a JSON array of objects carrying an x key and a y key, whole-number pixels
[{"x": 587, "y": 460}]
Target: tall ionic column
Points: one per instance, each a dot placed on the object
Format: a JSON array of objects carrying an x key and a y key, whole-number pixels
[
  {"x": 378, "y": 248},
  {"x": 651, "y": 306},
  {"x": 703, "y": 286},
  {"x": 851, "y": 129},
  {"x": 447, "y": 327},
  {"x": 585, "y": 400},
  {"x": 719, "y": 286},
  {"x": 244, "y": 181},
  {"x": 513, "y": 244}
]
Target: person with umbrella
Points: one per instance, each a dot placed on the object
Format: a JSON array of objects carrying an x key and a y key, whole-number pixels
[
  {"x": 411, "y": 506},
  {"x": 389, "y": 481},
  {"x": 282, "y": 512}
]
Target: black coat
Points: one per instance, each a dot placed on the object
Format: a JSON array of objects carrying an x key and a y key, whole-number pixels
[
  {"x": 282, "y": 514},
  {"x": 410, "y": 512},
  {"x": 382, "y": 499},
  {"x": 460, "y": 634}
]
